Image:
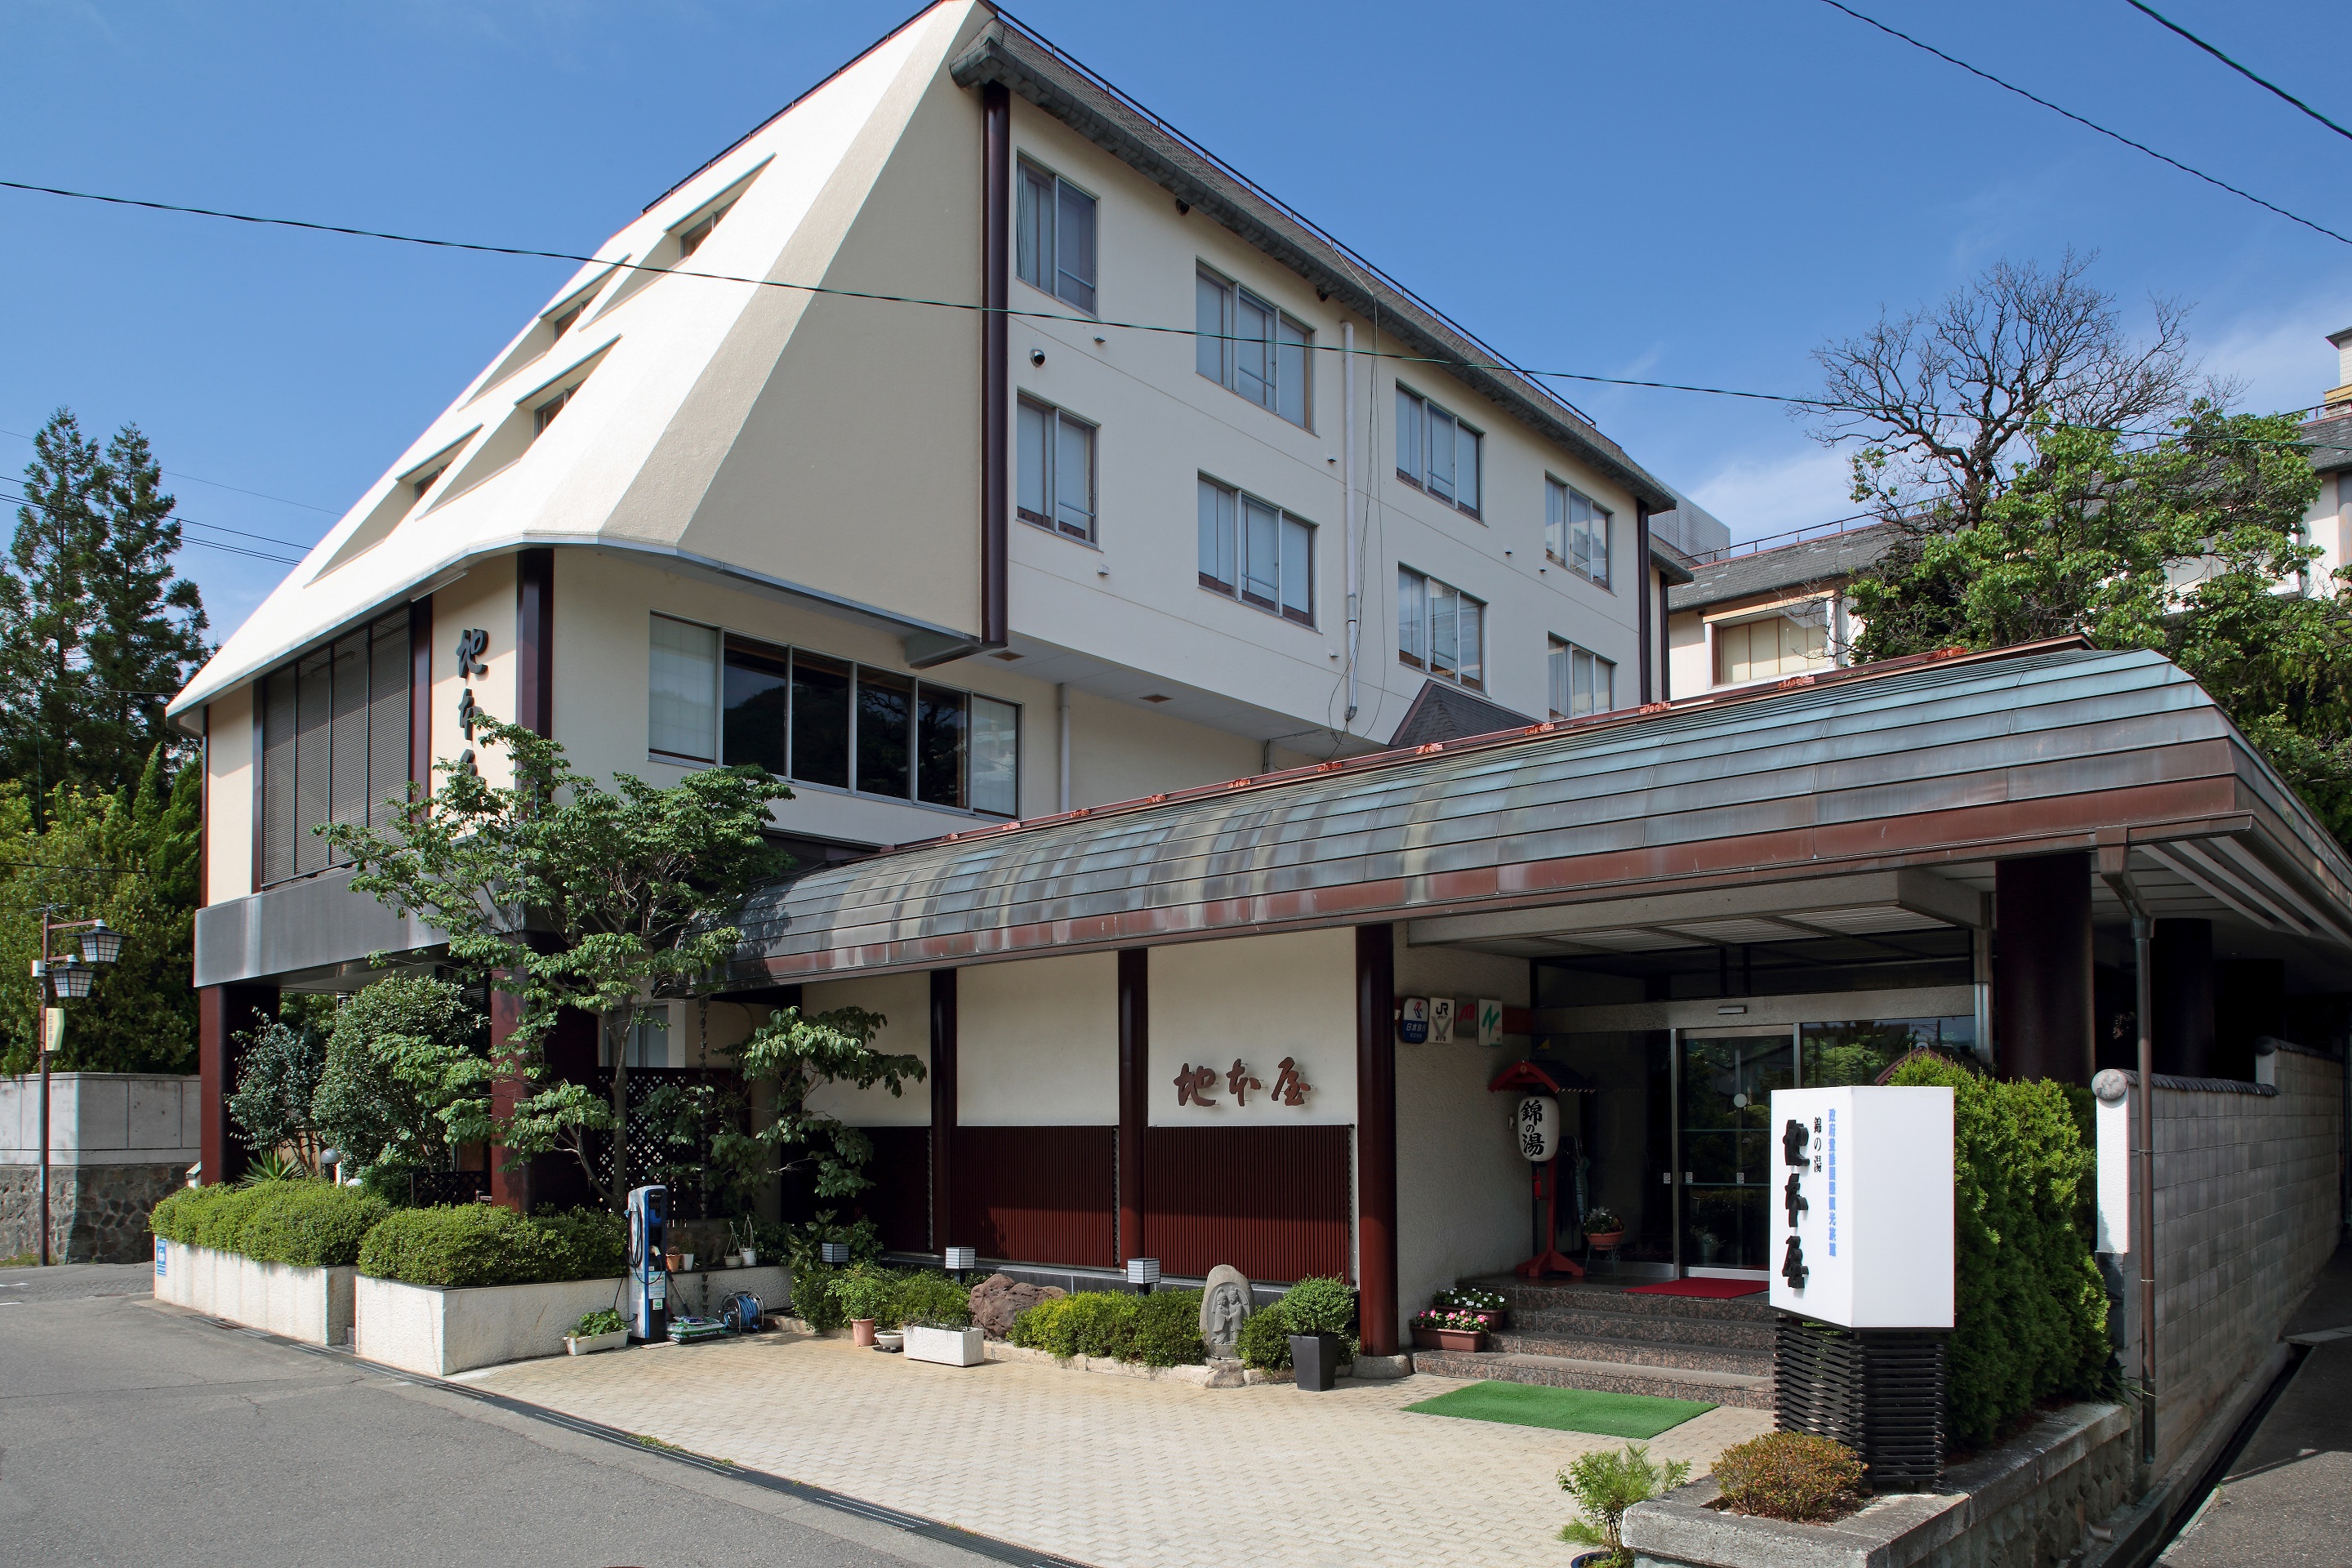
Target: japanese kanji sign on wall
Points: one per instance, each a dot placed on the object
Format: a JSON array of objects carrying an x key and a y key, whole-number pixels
[
  {"x": 1861, "y": 1206},
  {"x": 1202, "y": 1086}
]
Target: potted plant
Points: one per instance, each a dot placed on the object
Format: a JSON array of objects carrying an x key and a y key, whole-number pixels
[
  {"x": 1487, "y": 1306},
  {"x": 1449, "y": 1329},
  {"x": 747, "y": 1241},
  {"x": 891, "y": 1340},
  {"x": 606, "y": 1330},
  {"x": 1604, "y": 1486},
  {"x": 863, "y": 1295},
  {"x": 1318, "y": 1313},
  {"x": 936, "y": 1313},
  {"x": 1604, "y": 1231}
]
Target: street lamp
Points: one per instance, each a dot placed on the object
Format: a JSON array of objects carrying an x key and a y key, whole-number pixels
[{"x": 67, "y": 980}]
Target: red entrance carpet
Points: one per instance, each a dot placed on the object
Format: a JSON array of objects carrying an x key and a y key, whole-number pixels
[{"x": 1710, "y": 1289}]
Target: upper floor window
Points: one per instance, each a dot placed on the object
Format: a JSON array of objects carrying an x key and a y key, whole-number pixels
[
  {"x": 1056, "y": 480},
  {"x": 1249, "y": 346},
  {"x": 1576, "y": 530},
  {"x": 334, "y": 745},
  {"x": 1054, "y": 236},
  {"x": 1256, "y": 551},
  {"x": 823, "y": 720},
  {"x": 1582, "y": 681},
  {"x": 544, "y": 414},
  {"x": 1770, "y": 646},
  {"x": 690, "y": 238},
  {"x": 1439, "y": 628},
  {"x": 1437, "y": 452}
]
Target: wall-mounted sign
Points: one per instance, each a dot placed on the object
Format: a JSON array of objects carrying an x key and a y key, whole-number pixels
[
  {"x": 1490, "y": 1021},
  {"x": 1862, "y": 1205},
  {"x": 1197, "y": 1084},
  {"x": 472, "y": 643},
  {"x": 1535, "y": 1125},
  {"x": 1413, "y": 1019},
  {"x": 1441, "y": 1020}
]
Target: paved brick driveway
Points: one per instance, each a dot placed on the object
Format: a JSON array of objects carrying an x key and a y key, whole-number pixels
[{"x": 1113, "y": 1471}]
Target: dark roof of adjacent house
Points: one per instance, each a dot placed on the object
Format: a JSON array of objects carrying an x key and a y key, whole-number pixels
[
  {"x": 2330, "y": 436},
  {"x": 1937, "y": 761},
  {"x": 1829, "y": 559},
  {"x": 1444, "y": 711}
]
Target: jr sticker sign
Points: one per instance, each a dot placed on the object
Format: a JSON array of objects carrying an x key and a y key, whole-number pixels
[{"x": 1862, "y": 1205}]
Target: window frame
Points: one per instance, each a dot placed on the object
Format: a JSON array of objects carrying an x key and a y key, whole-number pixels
[
  {"x": 1745, "y": 622},
  {"x": 1559, "y": 534},
  {"x": 1050, "y": 269},
  {"x": 1285, "y": 521},
  {"x": 1560, "y": 657},
  {"x": 1051, "y": 520},
  {"x": 284, "y": 849},
  {"x": 1231, "y": 292},
  {"x": 1421, "y": 476},
  {"x": 1422, "y": 655}
]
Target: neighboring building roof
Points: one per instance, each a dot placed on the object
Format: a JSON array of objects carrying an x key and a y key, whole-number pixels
[
  {"x": 2330, "y": 436},
  {"x": 1444, "y": 711},
  {"x": 1935, "y": 761},
  {"x": 1831, "y": 558}
]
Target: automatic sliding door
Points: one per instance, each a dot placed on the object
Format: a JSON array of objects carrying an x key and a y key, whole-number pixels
[{"x": 1722, "y": 1123}]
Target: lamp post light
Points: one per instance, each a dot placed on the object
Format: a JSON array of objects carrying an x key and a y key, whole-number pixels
[{"x": 67, "y": 979}]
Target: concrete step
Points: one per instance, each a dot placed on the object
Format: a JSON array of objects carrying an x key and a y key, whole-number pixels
[
  {"x": 1597, "y": 1321},
  {"x": 1642, "y": 1352},
  {"x": 1742, "y": 1389},
  {"x": 1590, "y": 1295}
]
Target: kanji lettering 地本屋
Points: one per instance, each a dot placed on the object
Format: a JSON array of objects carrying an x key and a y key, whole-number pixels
[
  {"x": 1240, "y": 1082},
  {"x": 1194, "y": 1084},
  {"x": 1290, "y": 1086}
]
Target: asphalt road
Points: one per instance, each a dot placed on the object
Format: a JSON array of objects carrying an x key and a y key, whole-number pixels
[{"x": 132, "y": 1434}]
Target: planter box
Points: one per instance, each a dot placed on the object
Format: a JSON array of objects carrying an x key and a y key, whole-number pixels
[
  {"x": 1450, "y": 1339},
  {"x": 589, "y": 1344},
  {"x": 312, "y": 1305},
  {"x": 426, "y": 1328},
  {"x": 948, "y": 1347},
  {"x": 1315, "y": 1358}
]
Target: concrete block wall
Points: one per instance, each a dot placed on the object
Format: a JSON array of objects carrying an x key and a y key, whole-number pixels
[{"x": 2247, "y": 1212}]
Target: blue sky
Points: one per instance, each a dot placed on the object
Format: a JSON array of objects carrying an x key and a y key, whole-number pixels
[{"x": 1699, "y": 192}]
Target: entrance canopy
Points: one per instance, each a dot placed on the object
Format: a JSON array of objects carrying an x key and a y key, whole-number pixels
[{"x": 1851, "y": 803}]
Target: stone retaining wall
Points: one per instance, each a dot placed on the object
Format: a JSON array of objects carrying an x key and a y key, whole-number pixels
[{"x": 98, "y": 1214}]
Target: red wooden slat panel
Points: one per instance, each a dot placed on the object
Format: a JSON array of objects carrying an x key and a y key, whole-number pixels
[
  {"x": 1271, "y": 1200},
  {"x": 1037, "y": 1195},
  {"x": 900, "y": 1200}
]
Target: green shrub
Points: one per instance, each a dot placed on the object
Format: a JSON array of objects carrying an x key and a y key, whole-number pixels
[
  {"x": 591, "y": 1244},
  {"x": 1040, "y": 1328},
  {"x": 463, "y": 1245},
  {"x": 310, "y": 1224},
  {"x": 179, "y": 1215},
  {"x": 2031, "y": 1311},
  {"x": 223, "y": 1220},
  {"x": 604, "y": 1322},
  {"x": 1319, "y": 1306},
  {"x": 1793, "y": 1476},
  {"x": 933, "y": 1300},
  {"x": 812, "y": 1297},
  {"x": 1265, "y": 1344},
  {"x": 867, "y": 1291},
  {"x": 1168, "y": 1329},
  {"x": 1101, "y": 1323},
  {"x": 1604, "y": 1486}
]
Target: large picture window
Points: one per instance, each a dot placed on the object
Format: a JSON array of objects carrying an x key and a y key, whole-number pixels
[
  {"x": 817, "y": 719},
  {"x": 1248, "y": 346},
  {"x": 334, "y": 745},
  {"x": 1253, "y": 551},
  {"x": 1055, "y": 488},
  {"x": 1054, "y": 236},
  {"x": 1440, "y": 630},
  {"x": 1576, "y": 530},
  {"x": 1582, "y": 681},
  {"x": 1771, "y": 647},
  {"x": 1437, "y": 452}
]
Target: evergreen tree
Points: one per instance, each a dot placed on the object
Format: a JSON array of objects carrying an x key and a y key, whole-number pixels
[{"x": 96, "y": 630}]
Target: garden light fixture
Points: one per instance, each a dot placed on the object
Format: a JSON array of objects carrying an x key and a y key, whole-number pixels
[
  {"x": 959, "y": 1259},
  {"x": 835, "y": 1252},
  {"x": 1143, "y": 1273},
  {"x": 70, "y": 980},
  {"x": 101, "y": 943}
]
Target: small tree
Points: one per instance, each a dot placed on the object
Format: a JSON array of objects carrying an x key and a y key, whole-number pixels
[
  {"x": 279, "y": 1068},
  {"x": 1605, "y": 1485},
  {"x": 560, "y": 893},
  {"x": 407, "y": 1061}
]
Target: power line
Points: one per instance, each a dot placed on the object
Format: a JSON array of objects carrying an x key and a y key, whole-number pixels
[
  {"x": 216, "y": 484},
  {"x": 205, "y": 543},
  {"x": 2091, "y": 124},
  {"x": 176, "y": 517},
  {"x": 2267, "y": 86}
]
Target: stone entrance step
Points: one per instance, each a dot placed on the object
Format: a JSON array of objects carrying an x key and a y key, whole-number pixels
[
  {"x": 1743, "y": 1389},
  {"x": 1591, "y": 1334}
]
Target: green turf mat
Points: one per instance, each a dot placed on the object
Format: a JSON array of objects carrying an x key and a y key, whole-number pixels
[{"x": 1564, "y": 1409}]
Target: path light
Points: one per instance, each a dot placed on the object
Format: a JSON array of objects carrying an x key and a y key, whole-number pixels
[
  {"x": 101, "y": 943},
  {"x": 1143, "y": 1273},
  {"x": 70, "y": 980},
  {"x": 833, "y": 1251},
  {"x": 959, "y": 1259}
]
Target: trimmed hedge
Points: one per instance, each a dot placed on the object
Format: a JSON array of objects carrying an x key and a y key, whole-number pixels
[
  {"x": 1159, "y": 1330},
  {"x": 2031, "y": 1311},
  {"x": 1793, "y": 1476},
  {"x": 308, "y": 1224},
  {"x": 1264, "y": 1342},
  {"x": 463, "y": 1245}
]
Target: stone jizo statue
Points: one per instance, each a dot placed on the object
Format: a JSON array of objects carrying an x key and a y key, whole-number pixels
[{"x": 1225, "y": 1305}]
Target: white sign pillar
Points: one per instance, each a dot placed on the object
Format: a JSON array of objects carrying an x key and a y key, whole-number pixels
[{"x": 1862, "y": 1205}]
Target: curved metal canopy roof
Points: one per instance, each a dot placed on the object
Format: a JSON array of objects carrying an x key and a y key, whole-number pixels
[{"x": 1935, "y": 761}]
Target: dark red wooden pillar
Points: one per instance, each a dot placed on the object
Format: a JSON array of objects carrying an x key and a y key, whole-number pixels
[
  {"x": 224, "y": 1012},
  {"x": 944, "y": 1107},
  {"x": 2041, "y": 994},
  {"x": 1134, "y": 1094},
  {"x": 1376, "y": 1175}
]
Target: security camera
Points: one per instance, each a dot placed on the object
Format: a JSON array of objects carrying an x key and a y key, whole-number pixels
[{"x": 1037, "y": 356}]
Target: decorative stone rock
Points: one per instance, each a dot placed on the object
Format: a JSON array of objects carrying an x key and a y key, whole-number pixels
[
  {"x": 999, "y": 1298},
  {"x": 1225, "y": 1305}
]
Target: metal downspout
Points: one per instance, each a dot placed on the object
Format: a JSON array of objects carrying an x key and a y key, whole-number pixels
[
  {"x": 2143, "y": 1199},
  {"x": 1348, "y": 463}
]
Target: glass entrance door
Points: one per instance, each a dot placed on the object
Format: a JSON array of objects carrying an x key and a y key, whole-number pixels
[{"x": 1723, "y": 1125}]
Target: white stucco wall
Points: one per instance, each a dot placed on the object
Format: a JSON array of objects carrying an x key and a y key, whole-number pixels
[
  {"x": 228, "y": 797},
  {"x": 1260, "y": 999},
  {"x": 1462, "y": 1188},
  {"x": 484, "y": 599},
  {"x": 313, "y": 1306},
  {"x": 1037, "y": 1043},
  {"x": 905, "y": 1000}
]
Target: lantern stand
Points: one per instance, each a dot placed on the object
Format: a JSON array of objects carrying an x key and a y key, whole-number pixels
[{"x": 1533, "y": 1077}]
